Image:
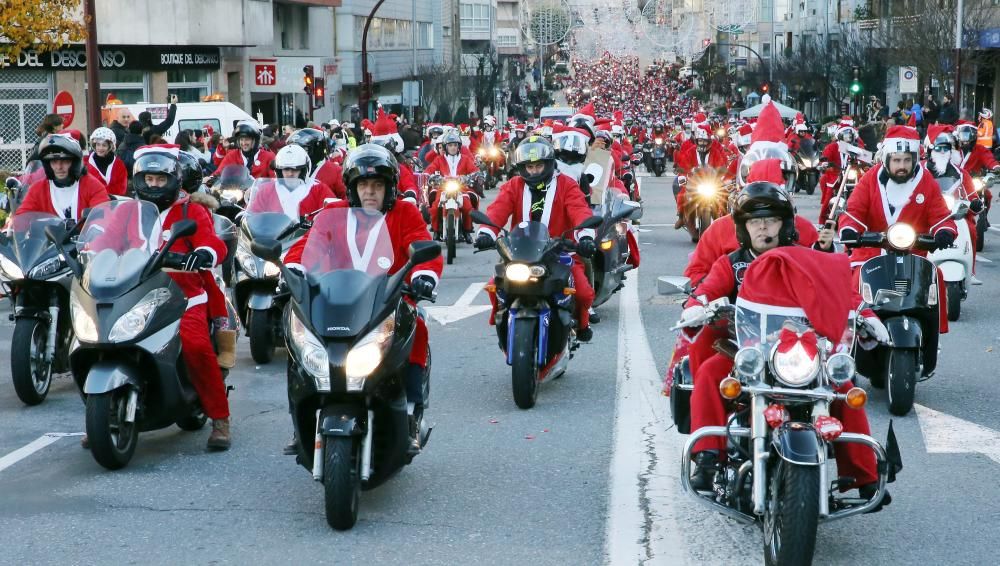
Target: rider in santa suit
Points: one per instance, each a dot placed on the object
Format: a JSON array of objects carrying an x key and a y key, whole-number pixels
[
  {"x": 453, "y": 163},
  {"x": 103, "y": 165},
  {"x": 247, "y": 151},
  {"x": 539, "y": 193},
  {"x": 386, "y": 134},
  {"x": 704, "y": 153},
  {"x": 293, "y": 192},
  {"x": 324, "y": 169},
  {"x": 833, "y": 160},
  {"x": 66, "y": 190},
  {"x": 975, "y": 158}
]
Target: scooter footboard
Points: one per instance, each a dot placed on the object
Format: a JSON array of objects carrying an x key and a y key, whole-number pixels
[
  {"x": 705, "y": 432},
  {"x": 882, "y": 465}
]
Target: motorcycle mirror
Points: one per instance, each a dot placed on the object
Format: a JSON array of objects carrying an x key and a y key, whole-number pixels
[
  {"x": 183, "y": 229},
  {"x": 672, "y": 285},
  {"x": 11, "y": 183},
  {"x": 479, "y": 217},
  {"x": 592, "y": 222},
  {"x": 424, "y": 251},
  {"x": 267, "y": 249},
  {"x": 635, "y": 210},
  {"x": 56, "y": 234}
]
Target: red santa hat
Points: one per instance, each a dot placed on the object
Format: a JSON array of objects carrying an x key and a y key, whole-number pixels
[
  {"x": 900, "y": 139},
  {"x": 799, "y": 118},
  {"x": 173, "y": 150},
  {"x": 769, "y": 131},
  {"x": 367, "y": 125},
  {"x": 846, "y": 122},
  {"x": 935, "y": 130},
  {"x": 745, "y": 135},
  {"x": 767, "y": 171},
  {"x": 385, "y": 129},
  {"x": 798, "y": 277}
]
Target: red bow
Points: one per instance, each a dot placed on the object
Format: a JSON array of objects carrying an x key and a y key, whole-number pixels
[{"x": 788, "y": 338}]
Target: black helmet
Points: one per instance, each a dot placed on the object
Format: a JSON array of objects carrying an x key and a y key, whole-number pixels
[
  {"x": 311, "y": 140},
  {"x": 191, "y": 173},
  {"x": 434, "y": 132},
  {"x": 55, "y": 146},
  {"x": 156, "y": 162},
  {"x": 247, "y": 128},
  {"x": 533, "y": 150},
  {"x": 760, "y": 200},
  {"x": 366, "y": 161},
  {"x": 966, "y": 135}
]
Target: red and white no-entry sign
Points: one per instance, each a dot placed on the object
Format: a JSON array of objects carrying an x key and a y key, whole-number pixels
[{"x": 64, "y": 106}]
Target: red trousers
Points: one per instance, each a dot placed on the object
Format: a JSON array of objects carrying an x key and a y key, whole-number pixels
[
  {"x": 827, "y": 187},
  {"x": 418, "y": 355},
  {"x": 469, "y": 202},
  {"x": 707, "y": 409},
  {"x": 584, "y": 295},
  {"x": 202, "y": 364},
  {"x": 216, "y": 298}
]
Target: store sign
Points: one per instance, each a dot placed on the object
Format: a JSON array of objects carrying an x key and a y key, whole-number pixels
[
  {"x": 265, "y": 74},
  {"x": 134, "y": 57}
]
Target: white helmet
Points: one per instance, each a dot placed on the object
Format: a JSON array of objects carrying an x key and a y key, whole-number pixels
[
  {"x": 292, "y": 157},
  {"x": 801, "y": 128},
  {"x": 105, "y": 135}
]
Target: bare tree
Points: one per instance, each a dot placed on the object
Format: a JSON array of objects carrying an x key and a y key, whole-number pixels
[{"x": 441, "y": 85}]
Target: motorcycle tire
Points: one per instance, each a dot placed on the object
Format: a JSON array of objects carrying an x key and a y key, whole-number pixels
[
  {"x": 981, "y": 225},
  {"x": 902, "y": 380},
  {"x": 523, "y": 368},
  {"x": 791, "y": 514},
  {"x": 31, "y": 375},
  {"x": 810, "y": 189},
  {"x": 193, "y": 422},
  {"x": 112, "y": 440},
  {"x": 658, "y": 172},
  {"x": 451, "y": 236},
  {"x": 341, "y": 481},
  {"x": 261, "y": 336},
  {"x": 954, "y": 292}
]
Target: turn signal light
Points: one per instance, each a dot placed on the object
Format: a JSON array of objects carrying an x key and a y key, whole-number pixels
[
  {"x": 490, "y": 288},
  {"x": 730, "y": 388},
  {"x": 856, "y": 398},
  {"x": 569, "y": 291},
  {"x": 606, "y": 245}
]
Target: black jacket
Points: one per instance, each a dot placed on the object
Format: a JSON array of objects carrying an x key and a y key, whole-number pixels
[
  {"x": 948, "y": 114},
  {"x": 149, "y": 129}
]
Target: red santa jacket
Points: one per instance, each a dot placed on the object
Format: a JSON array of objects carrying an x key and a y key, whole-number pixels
[
  {"x": 978, "y": 159},
  {"x": 466, "y": 165},
  {"x": 689, "y": 159},
  {"x": 868, "y": 210},
  {"x": 331, "y": 175},
  {"x": 261, "y": 166},
  {"x": 720, "y": 239},
  {"x": 116, "y": 180},
  {"x": 831, "y": 153},
  {"x": 565, "y": 206},
  {"x": 89, "y": 193},
  {"x": 794, "y": 141},
  {"x": 405, "y": 225},
  {"x": 407, "y": 180},
  {"x": 307, "y": 198}
]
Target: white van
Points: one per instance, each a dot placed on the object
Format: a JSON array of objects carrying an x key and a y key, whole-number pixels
[
  {"x": 219, "y": 116},
  {"x": 560, "y": 113},
  {"x": 687, "y": 72}
]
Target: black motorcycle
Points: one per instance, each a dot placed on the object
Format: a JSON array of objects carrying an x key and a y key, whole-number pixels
[
  {"x": 807, "y": 161},
  {"x": 982, "y": 219},
  {"x": 656, "y": 161},
  {"x": 610, "y": 264},
  {"x": 902, "y": 290},
  {"x": 230, "y": 189},
  {"x": 126, "y": 312},
  {"x": 535, "y": 306},
  {"x": 38, "y": 281},
  {"x": 349, "y": 332}
]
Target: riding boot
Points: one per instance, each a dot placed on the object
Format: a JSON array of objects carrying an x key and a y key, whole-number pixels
[
  {"x": 706, "y": 464},
  {"x": 220, "y": 438},
  {"x": 226, "y": 342},
  {"x": 416, "y": 420}
]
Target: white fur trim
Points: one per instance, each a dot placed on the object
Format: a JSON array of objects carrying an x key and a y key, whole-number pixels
[
  {"x": 487, "y": 231},
  {"x": 585, "y": 233},
  {"x": 764, "y": 145},
  {"x": 198, "y": 300},
  {"x": 426, "y": 272}
]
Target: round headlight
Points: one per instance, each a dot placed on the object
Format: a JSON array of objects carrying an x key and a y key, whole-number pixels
[
  {"x": 537, "y": 270},
  {"x": 705, "y": 189},
  {"x": 949, "y": 200},
  {"x": 852, "y": 174},
  {"x": 517, "y": 272},
  {"x": 978, "y": 184},
  {"x": 840, "y": 368},
  {"x": 794, "y": 367},
  {"x": 901, "y": 236},
  {"x": 749, "y": 362},
  {"x": 452, "y": 187}
]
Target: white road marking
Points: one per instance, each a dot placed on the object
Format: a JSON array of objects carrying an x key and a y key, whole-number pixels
[
  {"x": 462, "y": 308},
  {"x": 642, "y": 524},
  {"x": 32, "y": 447},
  {"x": 983, "y": 259},
  {"x": 994, "y": 228},
  {"x": 945, "y": 434}
]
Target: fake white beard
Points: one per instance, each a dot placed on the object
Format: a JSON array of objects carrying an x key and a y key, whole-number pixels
[
  {"x": 940, "y": 161},
  {"x": 898, "y": 194},
  {"x": 290, "y": 184}
]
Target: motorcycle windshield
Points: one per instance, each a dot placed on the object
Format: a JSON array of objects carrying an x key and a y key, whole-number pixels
[
  {"x": 271, "y": 210},
  {"x": 234, "y": 181},
  {"x": 760, "y": 325},
  {"x": 115, "y": 245},
  {"x": 527, "y": 242},
  {"x": 347, "y": 259},
  {"x": 28, "y": 238},
  {"x": 807, "y": 147}
]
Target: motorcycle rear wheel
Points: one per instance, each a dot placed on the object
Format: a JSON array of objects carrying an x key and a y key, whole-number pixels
[
  {"x": 261, "y": 336},
  {"x": 954, "y": 292},
  {"x": 902, "y": 380},
  {"x": 523, "y": 368},
  {"x": 31, "y": 374},
  {"x": 981, "y": 225},
  {"x": 451, "y": 235},
  {"x": 112, "y": 439},
  {"x": 341, "y": 482},
  {"x": 791, "y": 514}
]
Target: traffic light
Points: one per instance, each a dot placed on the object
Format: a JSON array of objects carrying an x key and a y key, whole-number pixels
[
  {"x": 307, "y": 79},
  {"x": 856, "y": 83},
  {"x": 319, "y": 93}
]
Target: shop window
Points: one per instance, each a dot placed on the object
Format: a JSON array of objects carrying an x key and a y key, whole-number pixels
[{"x": 190, "y": 85}]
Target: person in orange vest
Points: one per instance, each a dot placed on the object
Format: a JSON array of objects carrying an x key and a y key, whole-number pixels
[{"x": 985, "y": 137}]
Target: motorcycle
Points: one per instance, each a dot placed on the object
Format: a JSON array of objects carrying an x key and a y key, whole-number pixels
[
  {"x": 535, "y": 306},
  {"x": 656, "y": 155},
  {"x": 420, "y": 197},
  {"x": 16, "y": 187},
  {"x": 807, "y": 161},
  {"x": 256, "y": 291},
  {"x": 780, "y": 433},
  {"x": 349, "y": 332},
  {"x": 126, "y": 312},
  {"x": 982, "y": 219},
  {"x": 38, "y": 282},
  {"x": 491, "y": 163},
  {"x": 610, "y": 264},
  {"x": 955, "y": 262},
  {"x": 902, "y": 289},
  {"x": 230, "y": 189},
  {"x": 706, "y": 199},
  {"x": 450, "y": 208},
  {"x": 851, "y": 172}
]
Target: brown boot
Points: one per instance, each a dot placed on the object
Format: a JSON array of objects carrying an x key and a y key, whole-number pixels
[
  {"x": 679, "y": 224},
  {"x": 219, "y": 439},
  {"x": 226, "y": 342}
]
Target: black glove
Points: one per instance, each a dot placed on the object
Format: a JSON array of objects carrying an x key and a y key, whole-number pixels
[
  {"x": 198, "y": 259},
  {"x": 422, "y": 286},
  {"x": 976, "y": 206},
  {"x": 849, "y": 235},
  {"x": 944, "y": 239},
  {"x": 484, "y": 242},
  {"x": 587, "y": 247}
]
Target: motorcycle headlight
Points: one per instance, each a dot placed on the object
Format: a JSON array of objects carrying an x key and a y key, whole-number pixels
[
  {"x": 312, "y": 353},
  {"x": 852, "y": 174},
  {"x": 901, "y": 236},
  {"x": 749, "y": 362},
  {"x": 246, "y": 260},
  {"x": 232, "y": 195},
  {"x": 367, "y": 354},
  {"x": 705, "y": 189},
  {"x": 978, "y": 184},
  {"x": 271, "y": 269},
  {"x": 452, "y": 188},
  {"x": 494, "y": 152},
  {"x": 46, "y": 269},
  {"x": 659, "y": 141},
  {"x": 130, "y": 324},
  {"x": 949, "y": 200},
  {"x": 83, "y": 324},
  {"x": 840, "y": 368},
  {"x": 517, "y": 272},
  {"x": 481, "y": 152},
  {"x": 10, "y": 269},
  {"x": 794, "y": 367}
]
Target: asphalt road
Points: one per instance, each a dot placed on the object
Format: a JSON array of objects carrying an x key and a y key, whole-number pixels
[{"x": 498, "y": 485}]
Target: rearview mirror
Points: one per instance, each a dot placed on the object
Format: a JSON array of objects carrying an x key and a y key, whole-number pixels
[
  {"x": 592, "y": 222},
  {"x": 671, "y": 285},
  {"x": 183, "y": 229},
  {"x": 424, "y": 251},
  {"x": 628, "y": 209},
  {"x": 479, "y": 217},
  {"x": 267, "y": 249}
]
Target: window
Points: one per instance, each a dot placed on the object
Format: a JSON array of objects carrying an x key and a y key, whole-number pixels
[
  {"x": 388, "y": 33},
  {"x": 765, "y": 50},
  {"x": 425, "y": 35},
  {"x": 190, "y": 85},
  {"x": 291, "y": 24},
  {"x": 126, "y": 85},
  {"x": 476, "y": 17},
  {"x": 199, "y": 124},
  {"x": 507, "y": 38}
]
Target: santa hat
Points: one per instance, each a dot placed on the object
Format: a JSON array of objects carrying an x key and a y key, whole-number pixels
[
  {"x": 770, "y": 131},
  {"x": 173, "y": 150},
  {"x": 700, "y": 118},
  {"x": 367, "y": 124},
  {"x": 935, "y": 130},
  {"x": 846, "y": 122},
  {"x": 745, "y": 135},
  {"x": 798, "y": 277},
  {"x": 385, "y": 129},
  {"x": 900, "y": 139},
  {"x": 767, "y": 171},
  {"x": 799, "y": 118}
]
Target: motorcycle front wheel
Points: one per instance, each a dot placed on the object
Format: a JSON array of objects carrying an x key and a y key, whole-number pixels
[
  {"x": 791, "y": 514},
  {"x": 261, "y": 336},
  {"x": 341, "y": 482},
  {"x": 981, "y": 225},
  {"x": 902, "y": 380},
  {"x": 523, "y": 368},
  {"x": 451, "y": 235},
  {"x": 31, "y": 374},
  {"x": 112, "y": 439},
  {"x": 954, "y": 292}
]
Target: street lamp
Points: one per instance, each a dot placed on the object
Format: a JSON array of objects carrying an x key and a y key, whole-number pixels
[{"x": 365, "y": 94}]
